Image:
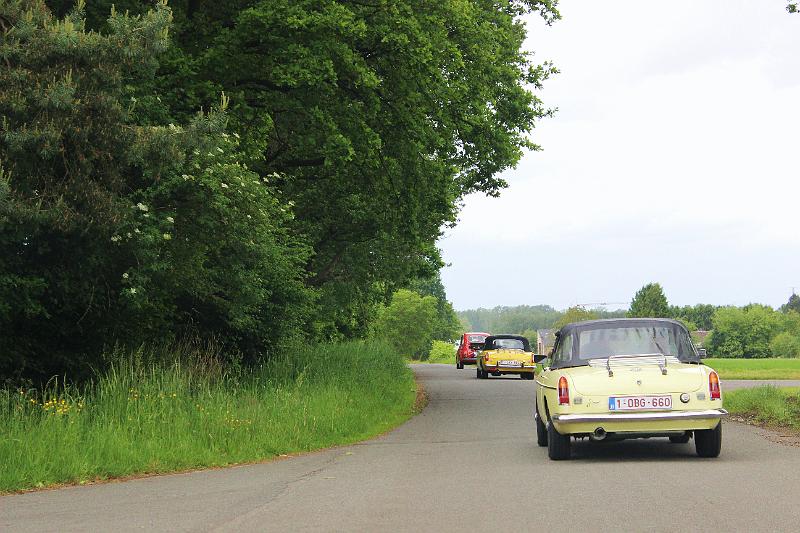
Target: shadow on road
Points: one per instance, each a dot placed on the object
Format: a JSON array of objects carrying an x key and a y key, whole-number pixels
[{"x": 653, "y": 449}]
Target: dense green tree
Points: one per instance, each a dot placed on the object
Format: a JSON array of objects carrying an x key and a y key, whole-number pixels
[
  {"x": 408, "y": 323},
  {"x": 531, "y": 335},
  {"x": 792, "y": 305},
  {"x": 373, "y": 118},
  {"x": 785, "y": 344},
  {"x": 650, "y": 302},
  {"x": 116, "y": 229},
  {"x": 790, "y": 321},
  {"x": 698, "y": 315},
  {"x": 574, "y": 314},
  {"x": 743, "y": 332},
  {"x": 359, "y": 127},
  {"x": 448, "y": 325}
]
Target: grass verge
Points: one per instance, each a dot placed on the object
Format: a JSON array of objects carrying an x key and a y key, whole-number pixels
[
  {"x": 756, "y": 368},
  {"x": 144, "y": 419},
  {"x": 770, "y": 406}
]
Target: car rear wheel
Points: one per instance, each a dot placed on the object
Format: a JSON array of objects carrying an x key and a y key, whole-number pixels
[
  {"x": 708, "y": 442},
  {"x": 680, "y": 439},
  {"x": 526, "y": 376},
  {"x": 459, "y": 365},
  {"x": 541, "y": 430},
  {"x": 558, "y": 446}
]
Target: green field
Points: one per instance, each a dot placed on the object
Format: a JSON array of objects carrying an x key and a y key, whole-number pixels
[
  {"x": 766, "y": 405},
  {"x": 443, "y": 352},
  {"x": 756, "y": 368},
  {"x": 141, "y": 418}
]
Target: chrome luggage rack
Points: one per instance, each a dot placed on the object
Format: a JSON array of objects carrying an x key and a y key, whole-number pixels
[{"x": 634, "y": 360}]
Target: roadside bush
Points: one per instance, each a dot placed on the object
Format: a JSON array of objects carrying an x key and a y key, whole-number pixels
[
  {"x": 785, "y": 344},
  {"x": 442, "y": 352},
  {"x": 743, "y": 332},
  {"x": 408, "y": 323},
  {"x": 118, "y": 228}
]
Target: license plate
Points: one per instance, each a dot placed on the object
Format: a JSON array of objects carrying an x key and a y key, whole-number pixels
[
  {"x": 636, "y": 403},
  {"x": 511, "y": 363}
]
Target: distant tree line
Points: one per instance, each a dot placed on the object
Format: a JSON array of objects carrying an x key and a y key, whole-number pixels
[
  {"x": 527, "y": 319},
  {"x": 751, "y": 331}
]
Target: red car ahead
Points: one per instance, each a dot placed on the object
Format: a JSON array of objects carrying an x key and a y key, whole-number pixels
[{"x": 468, "y": 348}]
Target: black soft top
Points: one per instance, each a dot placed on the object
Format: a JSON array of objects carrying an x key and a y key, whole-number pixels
[
  {"x": 687, "y": 352},
  {"x": 489, "y": 342},
  {"x": 603, "y": 323}
]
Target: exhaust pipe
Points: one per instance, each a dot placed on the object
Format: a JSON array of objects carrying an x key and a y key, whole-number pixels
[{"x": 599, "y": 434}]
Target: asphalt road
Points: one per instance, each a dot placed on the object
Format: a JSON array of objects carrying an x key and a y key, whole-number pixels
[{"x": 468, "y": 462}]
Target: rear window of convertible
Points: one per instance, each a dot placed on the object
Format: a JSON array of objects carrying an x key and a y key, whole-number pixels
[{"x": 642, "y": 340}]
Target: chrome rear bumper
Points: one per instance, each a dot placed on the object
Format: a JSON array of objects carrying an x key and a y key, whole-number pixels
[{"x": 708, "y": 414}]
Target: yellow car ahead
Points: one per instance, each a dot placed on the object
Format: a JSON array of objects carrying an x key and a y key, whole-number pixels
[
  {"x": 626, "y": 378},
  {"x": 505, "y": 354}
]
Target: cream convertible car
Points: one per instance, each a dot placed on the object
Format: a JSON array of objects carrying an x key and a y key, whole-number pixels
[{"x": 626, "y": 378}]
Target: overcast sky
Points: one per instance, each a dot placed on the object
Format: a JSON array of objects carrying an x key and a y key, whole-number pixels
[{"x": 673, "y": 158}]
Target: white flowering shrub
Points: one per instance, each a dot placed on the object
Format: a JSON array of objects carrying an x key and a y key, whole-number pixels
[{"x": 115, "y": 228}]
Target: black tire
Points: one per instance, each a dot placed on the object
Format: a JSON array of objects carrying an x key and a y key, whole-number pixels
[
  {"x": 541, "y": 430},
  {"x": 526, "y": 376},
  {"x": 459, "y": 365},
  {"x": 680, "y": 439},
  {"x": 559, "y": 446},
  {"x": 478, "y": 373},
  {"x": 708, "y": 442}
]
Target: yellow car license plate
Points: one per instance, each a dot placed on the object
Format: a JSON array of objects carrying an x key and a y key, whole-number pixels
[
  {"x": 515, "y": 364},
  {"x": 639, "y": 403}
]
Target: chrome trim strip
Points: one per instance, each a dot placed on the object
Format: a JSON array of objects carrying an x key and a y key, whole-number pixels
[{"x": 642, "y": 417}]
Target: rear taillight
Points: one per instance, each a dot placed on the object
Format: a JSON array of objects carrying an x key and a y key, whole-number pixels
[
  {"x": 713, "y": 386},
  {"x": 563, "y": 391}
]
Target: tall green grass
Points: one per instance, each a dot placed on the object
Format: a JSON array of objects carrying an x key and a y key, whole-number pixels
[
  {"x": 144, "y": 417},
  {"x": 766, "y": 405},
  {"x": 756, "y": 368}
]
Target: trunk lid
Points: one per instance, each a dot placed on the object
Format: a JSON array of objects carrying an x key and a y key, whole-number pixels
[
  {"x": 504, "y": 354},
  {"x": 643, "y": 376}
]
